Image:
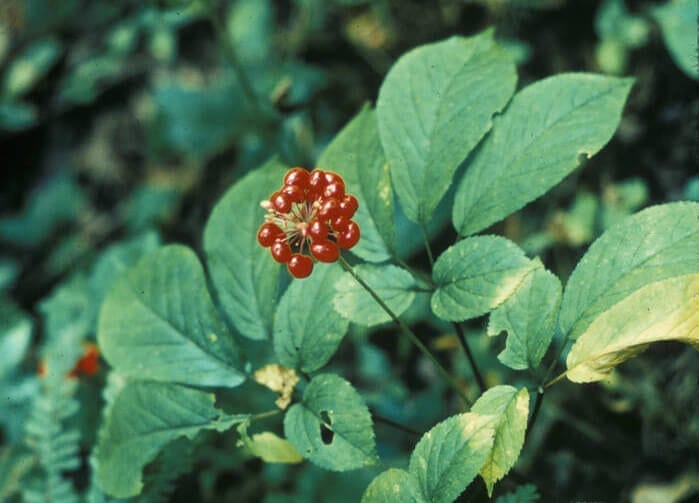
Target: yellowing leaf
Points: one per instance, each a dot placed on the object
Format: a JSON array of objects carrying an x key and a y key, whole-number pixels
[
  {"x": 662, "y": 311},
  {"x": 267, "y": 446},
  {"x": 510, "y": 407},
  {"x": 279, "y": 379}
]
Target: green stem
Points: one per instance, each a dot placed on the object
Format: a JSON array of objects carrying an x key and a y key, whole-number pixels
[
  {"x": 406, "y": 331},
  {"x": 390, "y": 422},
  {"x": 428, "y": 248},
  {"x": 232, "y": 56},
  {"x": 469, "y": 356},
  {"x": 263, "y": 415},
  {"x": 555, "y": 379}
]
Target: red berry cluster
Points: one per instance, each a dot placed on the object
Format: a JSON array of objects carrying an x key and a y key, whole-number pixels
[{"x": 310, "y": 216}]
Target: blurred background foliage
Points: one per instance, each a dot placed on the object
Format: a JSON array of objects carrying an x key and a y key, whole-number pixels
[{"x": 122, "y": 123}]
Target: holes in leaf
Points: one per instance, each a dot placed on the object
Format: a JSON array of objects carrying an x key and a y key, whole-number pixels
[{"x": 326, "y": 434}]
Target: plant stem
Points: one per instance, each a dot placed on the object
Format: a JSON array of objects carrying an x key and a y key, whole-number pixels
[
  {"x": 406, "y": 331},
  {"x": 232, "y": 56},
  {"x": 537, "y": 408},
  {"x": 390, "y": 422},
  {"x": 469, "y": 356},
  {"x": 555, "y": 379},
  {"x": 263, "y": 415},
  {"x": 428, "y": 248}
]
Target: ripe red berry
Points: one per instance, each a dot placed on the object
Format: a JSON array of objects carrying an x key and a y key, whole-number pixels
[
  {"x": 332, "y": 177},
  {"x": 88, "y": 364},
  {"x": 325, "y": 251},
  {"x": 268, "y": 233},
  {"x": 316, "y": 183},
  {"x": 297, "y": 176},
  {"x": 294, "y": 193},
  {"x": 281, "y": 251},
  {"x": 281, "y": 202},
  {"x": 300, "y": 266},
  {"x": 340, "y": 223},
  {"x": 334, "y": 190},
  {"x": 317, "y": 230},
  {"x": 349, "y": 237},
  {"x": 348, "y": 205},
  {"x": 328, "y": 209}
]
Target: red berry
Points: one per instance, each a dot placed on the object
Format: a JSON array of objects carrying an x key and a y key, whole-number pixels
[
  {"x": 328, "y": 209},
  {"x": 317, "y": 230},
  {"x": 349, "y": 237},
  {"x": 334, "y": 190},
  {"x": 294, "y": 193},
  {"x": 297, "y": 176},
  {"x": 325, "y": 251},
  {"x": 348, "y": 205},
  {"x": 268, "y": 233},
  {"x": 89, "y": 363},
  {"x": 332, "y": 177},
  {"x": 340, "y": 223},
  {"x": 316, "y": 183},
  {"x": 281, "y": 251},
  {"x": 281, "y": 202},
  {"x": 300, "y": 266}
]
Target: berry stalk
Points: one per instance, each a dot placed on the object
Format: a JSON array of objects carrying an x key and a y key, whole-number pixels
[{"x": 405, "y": 329}]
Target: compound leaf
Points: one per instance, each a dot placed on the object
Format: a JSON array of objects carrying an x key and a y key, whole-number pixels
[
  {"x": 331, "y": 403},
  {"x": 434, "y": 106},
  {"x": 307, "y": 329},
  {"x": 158, "y": 322},
  {"x": 243, "y": 273},
  {"x": 536, "y": 142},
  {"x": 357, "y": 155},
  {"x": 476, "y": 275},
  {"x": 511, "y": 410},
  {"x": 143, "y": 419},
  {"x": 395, "y": 286}
]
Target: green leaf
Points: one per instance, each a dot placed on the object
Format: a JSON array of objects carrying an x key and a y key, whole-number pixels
[
  {"x": 332, "y": 403},
  {"x": 678, "y": 22},
  {"x": 394, "y": 485},
  {"x": 30, "y": 66},
  {"x": 116, "y": 260},
  {"x": 511, "y": 409},
  {"x": 450, "y": 455},
  {"x": 15, "y": 336},
  {"x": 395, "y": 286},
  {"x": 661, "y": 311},
  {"x": 307, "y": 329},
  {"x": 57, "y": 202},
  {"x": 17, "y": 115},
  {"x": 158, "y": 322},
  {"x": 529, "y": 318},
  {"x": 434, "y": 106},
  {"x": 476, "y": 275},
  {"x": 357, "y": 155},
  {"x": 527, "y": 493},
  {"x": 657, "y": 243},
  {"x": 143, "y": 419},
  {"x": 89, "y": 78},
  {"x": 536, "y": 142},
  {"x": 613, "y": 21},
  {"x": 15, "y": 465},
  {"x": 267, "y": 446},
  {"x": 243, "y": 273}
]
